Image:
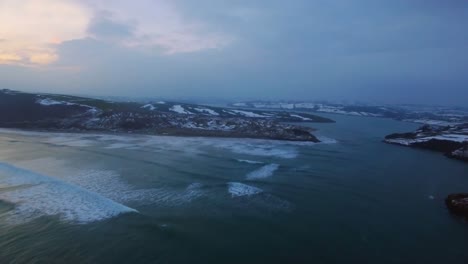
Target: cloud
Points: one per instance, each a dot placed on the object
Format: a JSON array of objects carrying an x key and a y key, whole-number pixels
[
  {"x": 156, "y": 24},
  {"x": 43, "y": 58},
  {"x": 303, "y": 49},
  {"x": 33, "y": 27},
  {"x": 9, "y": 57},
  {"x": 31, "y": 30}
]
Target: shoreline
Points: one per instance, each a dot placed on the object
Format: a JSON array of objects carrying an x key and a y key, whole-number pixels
[{"x": 127, "y": 133}]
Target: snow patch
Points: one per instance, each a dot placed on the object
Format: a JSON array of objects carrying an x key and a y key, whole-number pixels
[
  {"x": 149, "y": 107},
  {"x": 49, "y": 102},
  {"x": 433, "y": 122},
  {"x": 206, "y": 110},
  {"x": 445, "y": 137},
  {"x": 180, "y": 110},
  {"x": 247, "y": 113},
  {"x": 301, "y": 117},
  {"x": 240, "y": 104}
]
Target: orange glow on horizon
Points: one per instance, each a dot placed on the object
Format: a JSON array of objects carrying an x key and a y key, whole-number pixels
[{"x": 29, "y": 29}]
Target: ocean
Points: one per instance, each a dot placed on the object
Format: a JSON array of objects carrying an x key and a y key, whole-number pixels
[{"x": 113, "y": 198}]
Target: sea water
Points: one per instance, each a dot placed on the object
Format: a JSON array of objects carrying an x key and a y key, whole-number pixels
[{"x": 113, "y": 198}]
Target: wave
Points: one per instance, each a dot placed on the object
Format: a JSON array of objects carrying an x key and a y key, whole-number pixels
[
  {"x": 110, "y": 185},
  {"x": 35, "y": 195},
  {"x": 120, "y": 146},
  {"x": 70, "y": 141},
  {"x": 258, "y": 200},
  {"x": 190, "y": 145},
  {"x": 263, "y": 172},
  {"x": 259, "y": 148},
  {"x": 249, "y": 161},
  {"x": 237, "y": 189}
]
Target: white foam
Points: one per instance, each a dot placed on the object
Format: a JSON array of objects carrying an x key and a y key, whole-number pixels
[
  {"x": 253, "y": 147},
  {"x": 250, "y": 161},
  {"x": 192, "y": 145},
  {"x": 194, "y": 190},
  {"x": 121, "y": 138},
  {"x": 326, "y": 140},
  {"x": 163, "y": 196},
  {"x": 237, "y": 189},
  {"x": 110, "y": 184},
  {"x": 120, "y": 145},
  {"x": 257, "y": 148},
  {"x": 263, "y": 172},
  {"x": 35, "y": 195},
  {"x": 71, "y": 140},
  {"x": 258, "y": 199}
]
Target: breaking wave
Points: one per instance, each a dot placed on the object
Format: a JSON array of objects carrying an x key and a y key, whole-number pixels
[
  {"x": 249, "y": 161},
  {"x": 239, "y": 189},
  {"x": 35, "y": 195}
]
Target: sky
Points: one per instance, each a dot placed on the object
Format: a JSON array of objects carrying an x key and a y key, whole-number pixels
[{"x": 374, "y": 51}]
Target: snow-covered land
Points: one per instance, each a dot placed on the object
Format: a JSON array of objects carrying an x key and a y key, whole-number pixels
[
  {"x": 435, "y": 115},
  {"x": 452, "y": 140},
  {"x": 69, "y": 113},
  {"x": 180, "y": 110}
]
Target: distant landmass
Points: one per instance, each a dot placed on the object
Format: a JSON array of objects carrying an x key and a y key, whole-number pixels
[
  {"x": 72, "y": 113},
  {"x": 445, "y": 129},
  {"x": 433, "y": 115}
]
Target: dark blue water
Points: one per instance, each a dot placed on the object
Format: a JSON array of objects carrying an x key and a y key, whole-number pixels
[{"x": 355, "y": 201}]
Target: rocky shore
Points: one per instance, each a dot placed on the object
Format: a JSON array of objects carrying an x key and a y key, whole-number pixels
[
  {"x": 458, "y": 204},
  {"x": 450, "y": 140}
]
